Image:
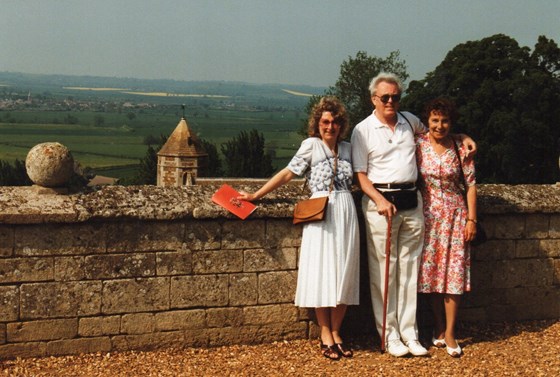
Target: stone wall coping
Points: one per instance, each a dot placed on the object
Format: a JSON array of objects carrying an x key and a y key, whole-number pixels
[{"x": 32, "y": 205}]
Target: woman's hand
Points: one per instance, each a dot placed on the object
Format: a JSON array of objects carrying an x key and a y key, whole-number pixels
[
  {"x": 246, "y": 196},
  {"x": 470, "y": 231}
]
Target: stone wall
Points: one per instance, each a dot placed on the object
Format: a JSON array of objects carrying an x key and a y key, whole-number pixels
[{"x": 148, "y": 267}]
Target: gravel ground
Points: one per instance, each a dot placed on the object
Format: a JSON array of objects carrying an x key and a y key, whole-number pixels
[{"x": 514, "y": 349}]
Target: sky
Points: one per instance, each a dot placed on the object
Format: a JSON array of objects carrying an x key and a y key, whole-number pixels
[{"x": 255, "y": 41}]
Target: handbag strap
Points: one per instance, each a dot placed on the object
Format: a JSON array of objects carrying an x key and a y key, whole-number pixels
[
  {"x": 460, "y": 166},
  {"x": 333, "y": 176}
]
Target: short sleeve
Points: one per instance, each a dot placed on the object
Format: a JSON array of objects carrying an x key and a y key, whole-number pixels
[
  {"x": 302, "y": 159},
  {"x": 359, "y": 151}
]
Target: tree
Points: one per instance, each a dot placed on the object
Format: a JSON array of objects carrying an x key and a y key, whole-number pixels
[
  {"x": 14, "y": 175},
  {"x": 352, "y": 86},
  {"x": 509, "y": 102},
  {"x": 214, "y": 168},
  {"x": 147, "y": 170},
  {"x": 245, "y": 156}
]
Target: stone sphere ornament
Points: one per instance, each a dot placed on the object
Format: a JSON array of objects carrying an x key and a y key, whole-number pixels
[{"x": 49, "y": 164}]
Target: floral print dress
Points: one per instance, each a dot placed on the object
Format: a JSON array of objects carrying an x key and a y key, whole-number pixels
[{"x": 445, "y": 260}]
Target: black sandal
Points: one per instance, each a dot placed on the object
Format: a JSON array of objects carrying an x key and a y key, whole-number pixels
[
  {"x": 343, "y": 350},
  {"x": 330, "y": 352}
]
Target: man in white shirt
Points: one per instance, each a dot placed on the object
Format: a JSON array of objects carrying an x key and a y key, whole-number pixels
[{"x": 384, "y": 161}]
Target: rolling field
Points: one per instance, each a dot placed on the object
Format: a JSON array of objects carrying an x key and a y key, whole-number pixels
[{"x": 114, "y": 146}]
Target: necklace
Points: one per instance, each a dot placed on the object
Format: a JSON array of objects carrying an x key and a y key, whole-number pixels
[{"x": 391, "y": 135}]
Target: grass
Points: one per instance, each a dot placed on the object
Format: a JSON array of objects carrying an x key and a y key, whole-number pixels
[{"x": 115, "y": 145}]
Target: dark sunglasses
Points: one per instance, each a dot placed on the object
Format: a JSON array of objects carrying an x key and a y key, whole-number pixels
[{"x": 385, "y": 98}]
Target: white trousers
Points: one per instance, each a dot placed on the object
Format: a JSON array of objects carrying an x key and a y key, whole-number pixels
[{"x": 407, "y": 239}]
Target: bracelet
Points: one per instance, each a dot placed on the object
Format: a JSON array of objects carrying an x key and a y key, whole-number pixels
[{"x": 473, "y": 220}]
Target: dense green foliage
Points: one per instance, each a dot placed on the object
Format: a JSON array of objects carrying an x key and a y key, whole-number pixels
[
  {"x": 509, "y": 102},
  {"x": 214, "y": 168},
  {"x": 244, "y": 156},
  {"x": 13, "y": 175},
  {"x": 352, "y": 86}
]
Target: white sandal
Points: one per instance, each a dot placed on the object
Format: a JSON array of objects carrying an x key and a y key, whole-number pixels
[
  {"x": 439, "y": 343},
  {"x": 454, "y": 352}
]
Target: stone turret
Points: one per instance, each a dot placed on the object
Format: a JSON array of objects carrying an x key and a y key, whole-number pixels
[{"x": 181, "y": 158}]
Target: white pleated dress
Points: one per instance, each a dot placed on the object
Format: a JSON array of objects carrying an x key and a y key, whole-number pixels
[{"x": 330, "y": 252}]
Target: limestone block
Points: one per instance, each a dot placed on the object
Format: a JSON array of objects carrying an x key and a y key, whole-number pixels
[
  {"x": 537, "y": 225},
  {"x": 527, "y": 249},
  {"x": 98, "y": 326},
  {"x": 135, "y": 295},
  {"x": 180, "y": 320},
  {"x": 203, "y": 290},
  {"x": 78, "y": 346},
  {"x": 9, "y": 303},
  {"x": 196, "y": 338},
  {"x": 112, "y": 266},
  {"x": 144, "y": 236},
  {"x": 554, "y": 230},
  {"x": 277, "y": 287},
  {"x": 49, "y": 164},
  {"x": 203, "y": 235},
  {"x": 174, "y": 263},
  {"x": 523, "y": 273},
  {"x": 546, "y": 298},
  {"x": 243, "y": 289},
  {"x": 60, "y": 239},
  {"x": 23, "y": 350},
  {"x": 495, "y": 250},
  {"x": 69, "y": 268},
  {"x": 19, "y": 270},
  {"x": 64, "y": 299},
  {"x": 217, "y": 261},
  {"x": 42, "y": 330},
  {"x": 257, "y": 315},
  {"x": 256, "y": 334},
  {"x": 2, "y": 333},
  {"x": 556, "y": 266},
  {"x": 139, "y": 323},
  {"x": 550, "y": 248},
  {"x": 507, "y": 227},
  {"x": 224, "y": 317},
  {"x": 250, "y": 235},
  {"x": 147, "y": 341},
  {"x": 270, "y": 259},
  {"x": 6, "y": 241},
  {"x": 281, "y": 233}
]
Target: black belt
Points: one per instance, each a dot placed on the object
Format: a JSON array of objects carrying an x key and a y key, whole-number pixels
[{"x": 396, "y": 186}]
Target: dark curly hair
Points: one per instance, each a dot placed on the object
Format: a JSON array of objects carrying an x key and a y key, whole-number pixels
[
  {"x": 443, "y": 106},
  {"x": 338, "y": 112}
]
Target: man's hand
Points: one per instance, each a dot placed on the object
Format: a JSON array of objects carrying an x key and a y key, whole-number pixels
[{"x": 386, "y": 208}]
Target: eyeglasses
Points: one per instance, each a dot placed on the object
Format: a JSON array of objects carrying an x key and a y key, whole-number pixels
[{"x": 385, "y": 97}]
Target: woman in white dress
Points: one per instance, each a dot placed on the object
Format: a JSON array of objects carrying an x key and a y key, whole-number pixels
[{"x": 328, "y": 277}]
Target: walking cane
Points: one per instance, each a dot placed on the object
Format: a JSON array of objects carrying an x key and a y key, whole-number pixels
[{"x": 386, "y": 288}]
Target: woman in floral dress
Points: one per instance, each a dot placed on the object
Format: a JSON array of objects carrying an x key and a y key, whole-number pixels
[
  {"x": 450, "y": 222},
  {"x": 328, "y": 276}
]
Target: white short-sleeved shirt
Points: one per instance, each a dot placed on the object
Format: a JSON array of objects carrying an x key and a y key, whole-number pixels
[{"x": 384, "y": 156}]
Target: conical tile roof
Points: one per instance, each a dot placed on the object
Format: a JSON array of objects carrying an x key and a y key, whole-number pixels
[{"x": 182, "y": 142}]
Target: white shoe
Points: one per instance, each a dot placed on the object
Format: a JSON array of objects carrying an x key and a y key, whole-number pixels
[
  {"x": 416, "y": 348},
  {"x": 454, "y": 352},
  {"x": 396, "y": 348},
  {"x": 439, "y": 343}
]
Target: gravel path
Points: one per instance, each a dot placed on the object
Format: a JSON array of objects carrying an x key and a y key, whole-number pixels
[{"x": 515, "y": 349}]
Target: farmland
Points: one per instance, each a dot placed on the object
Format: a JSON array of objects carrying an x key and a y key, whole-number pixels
[{"x": 106, "y": 126}]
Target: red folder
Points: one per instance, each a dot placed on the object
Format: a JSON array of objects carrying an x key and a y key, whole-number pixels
[{"x": 226, "y": 196}]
